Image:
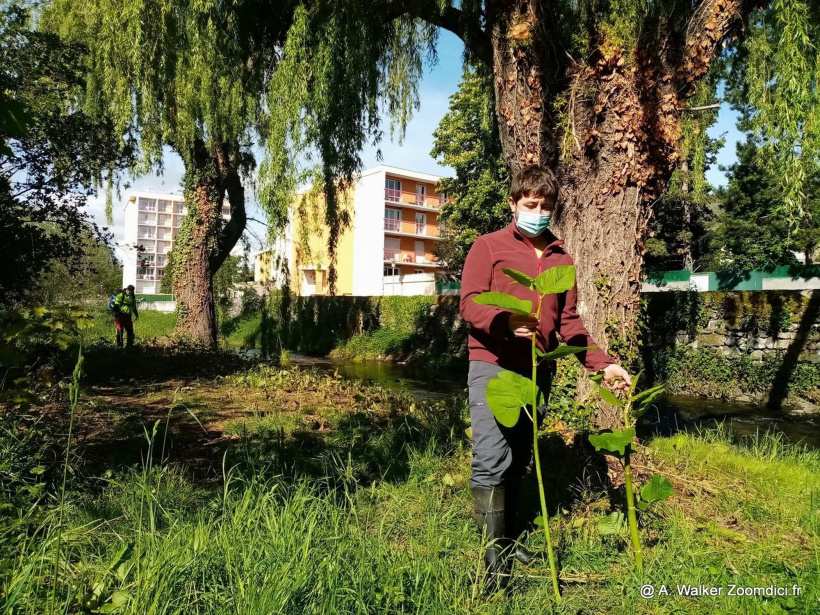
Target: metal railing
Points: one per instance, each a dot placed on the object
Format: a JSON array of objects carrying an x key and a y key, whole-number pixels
[
  {"x": 393, "y": 195},
  {"x": 391, "y": 224},
  {"x": 391, "y": 254}
]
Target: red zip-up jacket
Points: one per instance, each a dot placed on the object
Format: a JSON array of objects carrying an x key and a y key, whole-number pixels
[{"x": 490, "y": 338}]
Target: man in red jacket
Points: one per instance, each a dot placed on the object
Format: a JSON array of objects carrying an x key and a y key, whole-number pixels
[{"x": 500, "y": 340}]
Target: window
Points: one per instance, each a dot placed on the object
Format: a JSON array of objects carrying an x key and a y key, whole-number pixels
[
  {"x": 421, "y": 224},
  {"x": 392, "y": 248},
  {"x": 147, "y": 205},
  {"x": 392, "y": 190},
  {"x": 162, "y": 206},
  {"x": 392, "y": 219},
  {"x": 418, "y": 270},
  {"x": 178, "y": 207},
  {"x": 391, "y": 271},
  {"x": 442, "y": 198},
  {"x": 421, "y": 194}
]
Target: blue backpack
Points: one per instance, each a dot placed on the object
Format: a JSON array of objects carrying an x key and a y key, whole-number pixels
[{"x": 112, "y": 302}]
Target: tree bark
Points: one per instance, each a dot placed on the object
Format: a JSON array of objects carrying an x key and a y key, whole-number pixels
[
  {"x": 204, "y": 241},
  {"x": 622, "y": 121}
]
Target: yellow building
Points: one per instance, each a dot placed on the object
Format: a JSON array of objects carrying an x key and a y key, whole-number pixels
[{"x": 388, "y": 249}]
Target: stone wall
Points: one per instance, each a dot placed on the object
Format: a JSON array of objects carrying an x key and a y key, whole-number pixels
[{"x": 754, "y": 323}]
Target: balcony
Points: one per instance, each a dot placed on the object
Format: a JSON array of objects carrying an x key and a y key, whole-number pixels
[
  {"x": 392, "y": 255},
  {"x": 411, "y": 229},
  {"x": 413, "y": 200}
]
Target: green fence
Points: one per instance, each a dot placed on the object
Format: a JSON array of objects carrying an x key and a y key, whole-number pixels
[
  {"x": 744, "y": 280},
  {"x": 151, "y": 298}
]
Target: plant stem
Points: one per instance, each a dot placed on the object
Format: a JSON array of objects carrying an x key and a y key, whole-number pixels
[
  {"x": 630, "y": 510},
  {"x": 544, "y": 515},
  {"x": 73, "y": 399}
]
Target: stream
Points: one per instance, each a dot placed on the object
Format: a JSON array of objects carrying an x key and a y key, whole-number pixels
[{"x": 670, "y": 414}]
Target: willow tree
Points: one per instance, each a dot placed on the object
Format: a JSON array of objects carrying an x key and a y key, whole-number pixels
[
  {"x": 597, "y": 90},
  {"x": 189, "y": 76}
]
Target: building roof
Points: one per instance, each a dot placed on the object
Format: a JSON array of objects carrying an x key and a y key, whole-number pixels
[
  {"x": 148, "y": 194},
  {"x": 383, "y": 168}
]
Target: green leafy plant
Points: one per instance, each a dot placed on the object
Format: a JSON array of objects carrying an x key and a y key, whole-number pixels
[
  {"x": 621, "y": 443},
  {"x": 509, "y": 393}
]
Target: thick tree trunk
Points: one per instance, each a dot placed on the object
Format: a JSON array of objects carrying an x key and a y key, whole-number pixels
[
  {"x": 608, "y": 187},
  {"x": 204, "y": 241},
  {"x": 193, "y": 282},
  {"x": 521, "y": 91},
  {"x": 621, "y": 121}
]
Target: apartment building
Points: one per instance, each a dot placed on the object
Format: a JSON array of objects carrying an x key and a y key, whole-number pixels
[
  {"x": 389, "y": 248},
  {"x": 152, "y": 221}
]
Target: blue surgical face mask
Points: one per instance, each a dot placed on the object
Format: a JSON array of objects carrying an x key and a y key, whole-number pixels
[{"x": 532, "y": 224}]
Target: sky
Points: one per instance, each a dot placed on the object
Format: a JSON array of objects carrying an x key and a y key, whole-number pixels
[{"x": 439, "y": 82}]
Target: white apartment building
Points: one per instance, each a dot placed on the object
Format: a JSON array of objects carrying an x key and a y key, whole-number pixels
[{"x": 152, "y": 221}]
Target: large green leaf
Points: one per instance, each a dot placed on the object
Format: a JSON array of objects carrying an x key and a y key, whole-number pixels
[
  {"x": 647, "y": 392},
  {"x": 658, "y": 488},
  {"x": 507, "y": 394},
  {"x": 633, "y": 385},
  {"x": 614, "y": 441},
  {"x": 505, "y": 302},
  {"x": 563, "y": 351},
  {"x": 611, "y": 524},
  {"x": 608, "y": 396},
  {"x": 520, "y": 277},
  {"x": 555, "y": 280},
  {"x": 646, "y": 401}
]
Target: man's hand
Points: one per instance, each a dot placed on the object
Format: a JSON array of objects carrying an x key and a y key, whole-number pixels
[
  {"x": 616, "y": 371},
  {"x": 523, "y": 326}
]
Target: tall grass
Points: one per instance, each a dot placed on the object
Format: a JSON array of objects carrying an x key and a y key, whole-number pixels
[
  {"x": 379, "y": 520},
  {"x": 150, "y": 326}
]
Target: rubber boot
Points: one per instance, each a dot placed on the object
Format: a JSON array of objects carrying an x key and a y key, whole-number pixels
[
  {"x": 490, "y": 518},
  {"x": 516, "y": 532}
]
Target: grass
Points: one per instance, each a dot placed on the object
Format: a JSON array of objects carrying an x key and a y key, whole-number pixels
[
  {"x": 150, "y": 326},
  {"x": 333, "y": 497}
]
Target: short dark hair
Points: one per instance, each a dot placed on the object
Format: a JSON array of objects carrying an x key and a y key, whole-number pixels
[
  {"x": 129, "y": 287},
  {"x": 535, "y": 181}
]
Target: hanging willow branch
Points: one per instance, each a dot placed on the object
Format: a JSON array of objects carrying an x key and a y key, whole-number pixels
[{"x": 783, "y": 76}]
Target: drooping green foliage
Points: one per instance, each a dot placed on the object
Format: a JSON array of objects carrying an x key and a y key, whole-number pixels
[
  {"x": 173, "y": 71},
  {"x": 467, "y": 140},
  {"x": 342, "y": 66},
  {"x": 782, "y": 79}
]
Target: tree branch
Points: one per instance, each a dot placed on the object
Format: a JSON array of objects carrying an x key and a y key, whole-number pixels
[
  {"x": 232, "y": 182},
  {"x": 712, "y": 21},
  {"x": 464, "y": 25}
]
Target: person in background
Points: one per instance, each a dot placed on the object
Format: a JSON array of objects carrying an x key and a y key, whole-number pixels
[
  {"x": 499, "y": 340},
  {"x": 125, "y": 305}
]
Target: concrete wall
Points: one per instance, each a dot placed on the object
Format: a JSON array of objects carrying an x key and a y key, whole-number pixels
[
  {"x": 411, "y": 284},
  {"x": 368, "y": 240}
]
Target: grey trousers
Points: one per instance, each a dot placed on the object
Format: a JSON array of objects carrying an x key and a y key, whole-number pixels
[{"x": 500, "y": 454}]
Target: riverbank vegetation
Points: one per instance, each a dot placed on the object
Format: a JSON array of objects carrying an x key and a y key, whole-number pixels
[{"x": 204, "y": 484}]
